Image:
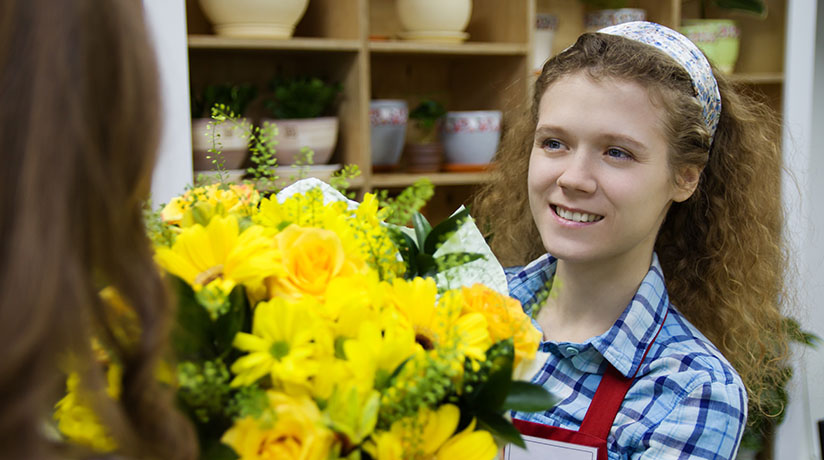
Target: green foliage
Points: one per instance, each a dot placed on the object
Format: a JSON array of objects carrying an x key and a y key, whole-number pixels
[
  {"x": 341, "y": 179},
  {"x": 763, "y": 419},
  {"x": 426, "y": 114},
  {"x": 419, "y": 253},
  {"x": 758, "y": 7},
  {"x": 606, "y": 4},
  {"x": 159, "y": 233},
  {"x": 408, "y": 202},
  {"x": 302, "y": 97},
  {"x": 204, "y": 388},
  {"x": 235, "y": 97},
  {"x": 489, "y": 390}
]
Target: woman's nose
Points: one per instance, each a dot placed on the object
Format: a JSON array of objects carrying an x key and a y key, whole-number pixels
[{"x": 577, "y": 174}]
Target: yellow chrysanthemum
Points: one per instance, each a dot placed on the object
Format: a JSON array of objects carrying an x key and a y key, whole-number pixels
[
  {"x": 209, "y": 201},
  {"x": 351, "y": 301},
  {"x": 375, "y": 354},
  {"x": 296, "y": 432},
  {"x": 75, "y": 418},
  {"x": 431, "y": 436},
  {"x": 302, "y": 209},
  {"x": 505, "y": 318},
  {"x": 220, "y": 252},
  {"x": 282, "y": 344},
  {"x": 311, "y": 259}
]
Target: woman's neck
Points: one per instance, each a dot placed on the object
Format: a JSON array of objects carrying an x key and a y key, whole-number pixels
[{"x": 587, "y": 299}]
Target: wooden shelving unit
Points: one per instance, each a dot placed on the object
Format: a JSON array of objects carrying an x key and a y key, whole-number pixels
[{"x": 353, "y": 41}]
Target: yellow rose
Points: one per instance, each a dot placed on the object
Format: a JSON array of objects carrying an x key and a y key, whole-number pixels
[
  {"x": 505, "y": 319},
  {"x": 296, "y": 432},
  {"x": 312, "y": 257}
]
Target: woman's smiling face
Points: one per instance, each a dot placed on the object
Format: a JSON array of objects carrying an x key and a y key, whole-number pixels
[{"x": 599, "y": 181}]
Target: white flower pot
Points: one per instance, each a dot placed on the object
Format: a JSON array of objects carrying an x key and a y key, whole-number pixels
[
  {"x": 254, "y": 18},
  {"x": 318, "y": 134},
  {"x": 387, "y": 119},
  {"x": 471, "y": 138},
  {"x": 233, "y": 144},
  {"x": 434, "y": 17}
]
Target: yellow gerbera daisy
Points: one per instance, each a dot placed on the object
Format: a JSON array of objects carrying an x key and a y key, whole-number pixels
[
  {"x": 220, "y": 252},
  {"x": 440, "y": 325},
  {"x": 282, "y": 344},
  {"x": 431, "y": 436}
]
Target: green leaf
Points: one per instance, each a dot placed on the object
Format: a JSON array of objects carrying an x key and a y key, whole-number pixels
[
  {"x": 442, "y": 231},
  {"x": 490, "y": 394},
  {"x": 191, "y": 334},
  {"x": 422, "y": 229},
  {"x": 237, "y": 319},
  {"x": 426, "y": 265},
  {"x": 528, "y": 397},
  {"x": 500, "y": 428},
  {"x": 408, "y": 250}
]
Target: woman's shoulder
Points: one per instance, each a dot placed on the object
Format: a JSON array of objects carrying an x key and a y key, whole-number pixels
[{"x": 682, "y": 350}]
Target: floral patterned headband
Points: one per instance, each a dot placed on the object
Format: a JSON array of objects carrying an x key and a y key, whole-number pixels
[{"x": 685, "y": 53}]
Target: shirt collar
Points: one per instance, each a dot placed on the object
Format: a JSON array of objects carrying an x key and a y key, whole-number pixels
[{"x": 624, "y": 344}]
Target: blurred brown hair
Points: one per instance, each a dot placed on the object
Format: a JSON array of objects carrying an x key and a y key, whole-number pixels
[
  {"x": 79, "y": 130},
  {"x": 721, "y": 250}
]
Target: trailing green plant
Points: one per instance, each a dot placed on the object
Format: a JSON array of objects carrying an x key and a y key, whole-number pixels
[
  {"x": 235, "y": 97},
  {"x": 302, "y": 97},
  {"x": 425, "y": 117},
  {"x": 762, "y": 420},
  {"x": 756, "y": 7}
]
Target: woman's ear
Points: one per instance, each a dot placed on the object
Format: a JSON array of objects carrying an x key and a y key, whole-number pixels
[{"x": 686, "y": 181}]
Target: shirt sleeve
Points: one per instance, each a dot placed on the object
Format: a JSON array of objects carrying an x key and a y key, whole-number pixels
[{"x": 706, "y": 424}]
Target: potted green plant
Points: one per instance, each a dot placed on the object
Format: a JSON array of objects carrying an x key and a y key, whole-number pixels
[
  {"x": 605, "y": 13},
  {"x": 207, "y": 132},
  {"x": 303, "y": 117},
  {"x": 762, "y": 421},
  {"x": 719, "y": 39},
  {"x": 423, "y": 151}
]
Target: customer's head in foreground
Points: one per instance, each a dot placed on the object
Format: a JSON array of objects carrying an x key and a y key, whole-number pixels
[
  {"x": 703, "y": 193},
  {"x": 79, "y": 129}
]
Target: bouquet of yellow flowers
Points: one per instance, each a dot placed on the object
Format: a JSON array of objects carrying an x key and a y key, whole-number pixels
[{"x": 309, "y": 328}]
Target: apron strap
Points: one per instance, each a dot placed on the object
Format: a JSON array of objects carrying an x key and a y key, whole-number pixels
[
  {"x": 606, "y": 403},
  {"x": 610, "y": 394}
]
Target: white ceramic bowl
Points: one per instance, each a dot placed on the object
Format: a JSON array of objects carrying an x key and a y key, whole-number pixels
[
  {"x": 254, "y": 18},
  {"x": 471, "y": 137},
  {"x": 233, "y": 144},
  {"x": 387, "y": 118},
  {"x": 434, "y": 15}
]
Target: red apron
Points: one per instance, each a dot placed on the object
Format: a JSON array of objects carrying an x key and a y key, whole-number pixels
[{"x": 599, "y": 417}]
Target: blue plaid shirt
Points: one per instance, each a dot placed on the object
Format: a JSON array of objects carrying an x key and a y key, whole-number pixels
[{"x": 687, "y": 401}]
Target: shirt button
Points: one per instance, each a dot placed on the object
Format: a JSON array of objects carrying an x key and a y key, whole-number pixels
[{"x": 571, "y": 351}]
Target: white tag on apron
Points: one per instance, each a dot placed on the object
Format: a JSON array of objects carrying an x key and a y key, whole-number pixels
[{"x": 547, "y": 449}]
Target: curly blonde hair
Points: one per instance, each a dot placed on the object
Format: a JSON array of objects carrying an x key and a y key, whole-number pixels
[{"x": 721, "y": 250}]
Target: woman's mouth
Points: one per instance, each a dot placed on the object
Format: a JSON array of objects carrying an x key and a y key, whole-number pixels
[{"x": 575, "y": 216}]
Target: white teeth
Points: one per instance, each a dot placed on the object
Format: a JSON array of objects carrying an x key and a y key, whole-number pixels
[{"x": 577, "y": 216}]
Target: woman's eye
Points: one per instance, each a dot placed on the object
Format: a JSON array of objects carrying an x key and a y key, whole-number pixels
[
  {"x": 551, "y": 144},
  {"x": 619, "y": 154}
]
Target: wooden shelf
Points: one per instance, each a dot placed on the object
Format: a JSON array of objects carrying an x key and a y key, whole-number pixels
[
  {"x": 471, "y": 48},
  {"x": 214, "y": 42},
  {"x": 760, "y": 78},
  {"x": 390, "y": 180}
]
